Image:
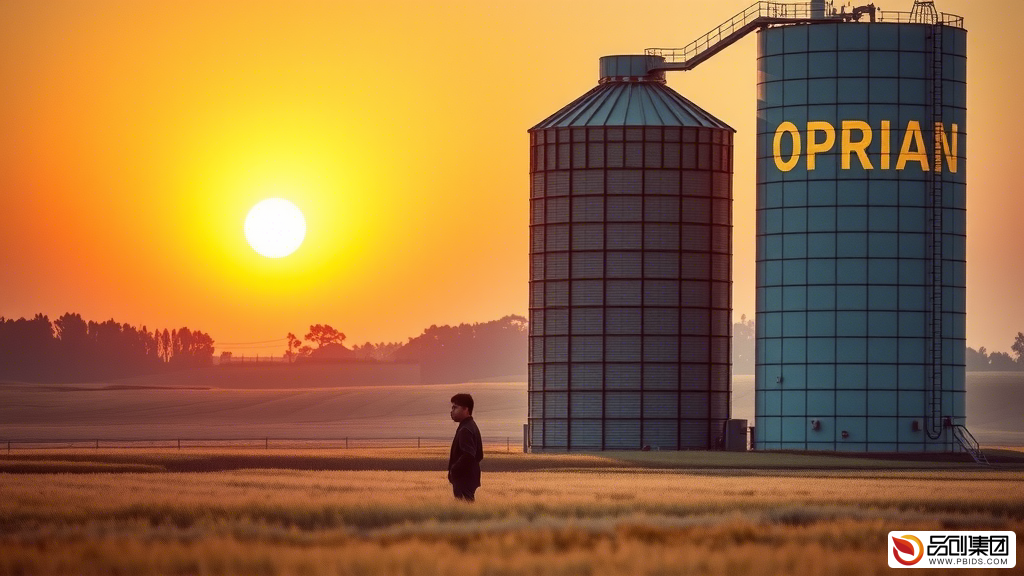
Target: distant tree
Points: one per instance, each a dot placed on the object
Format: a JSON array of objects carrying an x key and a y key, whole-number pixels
[
  {"x": 1001, "y": 361},
  {"x": 381, "y": 352},
  {"x": 159, "y": 343},
  {"x": 1018, "y": 348},
  {"x": 175, "y": 345},
  {"x": 225, "y": 357},
  {"x": 976, "y": 360},
  {"x": 74, "y": 344},
  {"x": 149, "y": 341},
  {"x": 386, "y": 351},
  {"x": 182, "y": 340},
  {"x": 28, "y": 350},
  {"x": 743, "y": 343},
  {"x": 324, "y": 334},
  {"x": 305, "y": 351},
  {"x": 202, "y": 349},
  {"x": 293, "y": 346},
  {"x": 362, "y": 351},
  {"x": 71, "y": 329},
  {"x": 165, "y": 340},
  {"x": 191, "y": 349}
]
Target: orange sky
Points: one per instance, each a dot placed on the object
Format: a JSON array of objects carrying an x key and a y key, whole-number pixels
[{"x": 136, "y": 136}]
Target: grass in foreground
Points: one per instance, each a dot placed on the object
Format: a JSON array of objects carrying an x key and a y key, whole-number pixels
[{"x": 577, "y": 518}]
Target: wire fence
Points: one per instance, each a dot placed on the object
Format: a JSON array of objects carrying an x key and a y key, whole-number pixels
[
  {"x": 266, "y": 443},
  {"x": 253, "y": 359}
]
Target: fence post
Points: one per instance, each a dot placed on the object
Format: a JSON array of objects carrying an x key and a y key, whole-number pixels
[
  {"x": 179, "y": 443},
  {"x": 508, "y": 445},
  {"x": 8, "y": 446},
  {"x": 267, "y": 446},
  {"x": 346, "y": 442},
  {"x": 417, "y": 442},
  {"x": 97, "y": 444}
]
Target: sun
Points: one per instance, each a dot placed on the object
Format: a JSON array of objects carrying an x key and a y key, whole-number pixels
[{"x": 275, "y": 228}]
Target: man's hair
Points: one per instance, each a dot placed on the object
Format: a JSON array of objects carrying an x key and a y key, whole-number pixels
[{"x": 464, "y": 400}]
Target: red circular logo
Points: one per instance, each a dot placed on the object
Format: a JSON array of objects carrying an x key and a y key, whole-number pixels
[{"x": 905, "y": 545}]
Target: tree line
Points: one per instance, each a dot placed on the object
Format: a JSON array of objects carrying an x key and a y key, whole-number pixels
[
  {"x": 444, "y": 353},
  {"x": 983, "y": 360},
  {"x": 73, "y": 349},
  {"x": 330, "y": 346},
  {"x": 469, "y": 351}
]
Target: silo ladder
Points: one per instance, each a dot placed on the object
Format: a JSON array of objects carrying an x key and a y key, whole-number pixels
[{"x": 935, "y": 237}]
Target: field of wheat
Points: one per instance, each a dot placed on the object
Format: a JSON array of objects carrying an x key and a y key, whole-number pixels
[{"x": 89, "y": 512}]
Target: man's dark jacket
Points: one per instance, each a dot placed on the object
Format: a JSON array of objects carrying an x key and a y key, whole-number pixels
[{"x": 467, "y": 452}]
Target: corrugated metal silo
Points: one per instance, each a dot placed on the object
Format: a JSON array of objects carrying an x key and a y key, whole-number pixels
[
  {"x": 861, "y": 198},
  {"x": 630, "y": 279}
]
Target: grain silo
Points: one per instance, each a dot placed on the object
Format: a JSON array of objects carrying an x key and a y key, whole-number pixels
[
  {"x": 630, "y": 248},
  {"x": 861, "y": 198}
]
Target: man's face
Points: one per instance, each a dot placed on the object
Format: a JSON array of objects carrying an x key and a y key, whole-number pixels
[{"x": 459, "y": 413}]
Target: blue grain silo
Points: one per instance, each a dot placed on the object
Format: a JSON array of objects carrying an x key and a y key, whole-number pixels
[{"x": 861, "y": 215}]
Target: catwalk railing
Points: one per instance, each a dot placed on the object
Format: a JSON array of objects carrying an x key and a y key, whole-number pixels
[{"x": 764, "y": 14}]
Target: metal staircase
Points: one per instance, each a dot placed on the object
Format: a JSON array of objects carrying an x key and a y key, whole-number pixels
[
  {"x": 969, "y": 444},
  {"x": 757, "y": 15}
]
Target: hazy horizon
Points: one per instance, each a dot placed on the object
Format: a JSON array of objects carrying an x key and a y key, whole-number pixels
[{"x": 218, "y": 404}]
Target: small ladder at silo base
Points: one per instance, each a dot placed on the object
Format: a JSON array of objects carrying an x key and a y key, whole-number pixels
[{"x": 968, "y": 443}]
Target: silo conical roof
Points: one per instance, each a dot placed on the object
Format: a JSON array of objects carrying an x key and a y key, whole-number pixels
[{"x": 628, "y": 95}]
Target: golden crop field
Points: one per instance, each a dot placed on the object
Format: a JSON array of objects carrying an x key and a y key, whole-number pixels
[{"x": 391, "y": 512}]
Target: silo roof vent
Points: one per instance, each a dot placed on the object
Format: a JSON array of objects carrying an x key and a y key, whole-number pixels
[
  {"x": 628, "y": 95},
  {"x": 631, "y": 68}
]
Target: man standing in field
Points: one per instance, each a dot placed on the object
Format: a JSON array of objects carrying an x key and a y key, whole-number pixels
[{"x": 467, "y": 450}]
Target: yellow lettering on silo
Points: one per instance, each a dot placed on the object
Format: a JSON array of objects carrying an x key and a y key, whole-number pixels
[
  {"x": 912, "y": 136},
  {"x": 794, "y": 134},
  {"x": 813, "y": 146},
  {"x": 859, "y": 147},
  {"x": 949, "y": 151},
  {"x": 884, "y": 164}
]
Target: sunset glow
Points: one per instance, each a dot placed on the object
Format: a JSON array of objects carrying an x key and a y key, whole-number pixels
[
  {"x": 143, "y": 133},
  {"x": 528, "y": 287}
]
